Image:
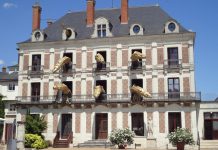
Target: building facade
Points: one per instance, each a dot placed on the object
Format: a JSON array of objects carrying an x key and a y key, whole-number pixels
[
  {"x": 167, "y": 72},
  {"x": 9, "y": 91}
]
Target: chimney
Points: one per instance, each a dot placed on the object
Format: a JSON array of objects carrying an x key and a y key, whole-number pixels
[
  {"x": 124, "y": 12},
  {"x": 36, "y": 16},
  {"x": 49, "y": 22},
  {"x": 4, "y": 69},
  {"x": 90, "y": 14}
]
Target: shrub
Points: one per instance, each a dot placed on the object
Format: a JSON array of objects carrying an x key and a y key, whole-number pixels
[
  {"x": 181, "y": 135},
  {"x": 122, "y": 136},
  {"x": 35, "y": 141}
]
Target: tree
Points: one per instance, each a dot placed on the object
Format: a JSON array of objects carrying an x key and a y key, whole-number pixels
[{"x": 35, "y": 124}]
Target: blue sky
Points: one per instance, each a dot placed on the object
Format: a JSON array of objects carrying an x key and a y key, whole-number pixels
[{"x": 200, "y": 16}]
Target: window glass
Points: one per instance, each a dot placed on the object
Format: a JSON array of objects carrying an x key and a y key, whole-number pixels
[
  {"x": 11, "y": 86},
  {"x": 174, "y": 119}
]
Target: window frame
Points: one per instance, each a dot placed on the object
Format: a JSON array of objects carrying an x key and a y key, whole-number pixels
[
  {"x": 140, "y": 121},
  {"x": 177, "y": 122},
  {"x": 11, "y": 85}
]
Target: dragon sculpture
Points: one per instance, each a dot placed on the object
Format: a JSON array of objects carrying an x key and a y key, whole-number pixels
[
  {"x": 62, "y": 87},
  {"x": 98, "y": 90},
  {"x": 139, "y": 91},
  {"x": 137, "y": 55},
  {"x": 99, "y": 58},
  {"x": 61, "y": 63}
]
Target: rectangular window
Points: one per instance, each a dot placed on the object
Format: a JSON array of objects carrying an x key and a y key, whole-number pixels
[
  {"x": 174, "y": 121},
  {"x": 101, "y": 30},
  {"x": 138, "y": 124},
  {"x": 102, "y": 66},
  {"x": 173, "y": 58},
  {"x": 11, "y": 86},
  {"x": 103, "y": 94},
  {"x": 138, "y": 63},
  {"x": 68, "y": 67},
  {"x": 173, "y": 88},
  {"x": 36, "y": 62},
  {"x": 136, "y": 97},
  {"x": 35, "y": 91}
]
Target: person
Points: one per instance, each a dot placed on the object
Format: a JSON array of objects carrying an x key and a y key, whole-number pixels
[{"x": 150, "y": 127}]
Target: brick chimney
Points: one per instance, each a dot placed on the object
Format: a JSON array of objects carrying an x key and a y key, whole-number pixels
[
  {"x": 124, "y": 11},
  {"x": 4, "y": 69},
  {"x": 36, "y": 16},
  {"x": 90, "y": 14}
]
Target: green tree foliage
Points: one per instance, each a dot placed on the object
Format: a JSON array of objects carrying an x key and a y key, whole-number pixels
[
  {"x": 35, "y": 124},
  {"x": 35, "y": 141}
]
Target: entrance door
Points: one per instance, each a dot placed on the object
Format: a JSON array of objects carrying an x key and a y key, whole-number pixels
[
  {"x": 66, "y": 125},
  {"x": 208, "y": 128},
  {"x": 101, "y": 126}
]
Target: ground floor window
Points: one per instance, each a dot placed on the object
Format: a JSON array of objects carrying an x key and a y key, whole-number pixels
[
  {"x": 211, "y": 125},
  {"x": 138, "y": 124},
  {"x": 174, "y": 119}
]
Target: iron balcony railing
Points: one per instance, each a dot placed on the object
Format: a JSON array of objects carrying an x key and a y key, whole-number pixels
[
  {"x": 137, "y": 65},
  {"x": 36, "y": 70},
  {"x": 101, "y": 67},
  {"x": 112, "y": 98},
  {"x": 172, "y": 64}
]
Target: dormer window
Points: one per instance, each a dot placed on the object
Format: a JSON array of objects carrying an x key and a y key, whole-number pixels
[
  {"x": 102, "y": 28},
  {"x": 171, "y": 27},
  {"x": 68, "y": 34},
  {"x": 37, "y": 36},
  {"x": 136, "y": 29}
]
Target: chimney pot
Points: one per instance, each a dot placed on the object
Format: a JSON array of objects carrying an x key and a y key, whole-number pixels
[
  {"x": 124, "y": 11},
  {"x": 90, "y": 14},
  {"x": 49, "y": 22},
  {"x": 36, "y": 16},
  {"x": 4, "y": 69}
]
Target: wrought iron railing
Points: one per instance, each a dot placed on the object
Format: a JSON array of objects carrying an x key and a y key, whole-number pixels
[
  {"x": 112, "y": 98},
  {"x": 99, "y": 67},
  {"x": 173, "y": 64},
  {"x": 137, "y": 65},
  {"x": 35, "y": 70}
]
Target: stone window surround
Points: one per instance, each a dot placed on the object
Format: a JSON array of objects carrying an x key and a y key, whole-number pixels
[
  {"x": 166, "y": 27},
  {"x": 100, "y": 21},
  {"x": 73, "y": 35},
  {"x": 33, "y": 38},
  {"x": 141, "y": 31}
]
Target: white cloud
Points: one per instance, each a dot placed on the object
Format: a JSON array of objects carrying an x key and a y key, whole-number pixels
[
  {"x": 9, "y": 5},
  {"x": 1, "y": 62}
]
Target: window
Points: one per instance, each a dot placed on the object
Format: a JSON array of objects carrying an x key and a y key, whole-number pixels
[
  {"x": 35, "y": 91},
  {"x": 136, "y": 97},
  {"x": 136, "y": 29},
  {"x": 103, "y": 95},
  {"x": 68, "y": 67},
  {"x": 174, "y": 119},
  {"x": 172, "y": 26},
  {"x": 11, "y": 86},
  {"x": 102, "y": 66},
  {"x": 36, "y": 62},
  {"x": 12, "y": 107},
  {"x": 173, "y": 88},
  {"x": 138, "y": 63},
  {"x": 173, "y": 58},
  {"x": 138, "y": 124},
  {"x": 101, "y": 29}
]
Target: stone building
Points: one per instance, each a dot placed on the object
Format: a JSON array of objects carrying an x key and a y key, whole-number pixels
[{"x": 167, "y": 72}]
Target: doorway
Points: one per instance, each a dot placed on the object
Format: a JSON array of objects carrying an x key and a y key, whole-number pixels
[
  {"x": 66, "y": 125},
  {"x": 211, "y": 125},
  {"x": 101, "y": 126}
]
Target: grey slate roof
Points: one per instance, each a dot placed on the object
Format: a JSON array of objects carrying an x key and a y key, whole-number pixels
[
  {"x": 151, "y": 18},
  {"x": 5, "y": 76}
]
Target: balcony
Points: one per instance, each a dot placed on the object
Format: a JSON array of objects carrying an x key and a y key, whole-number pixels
[
  {"x": 137, "y": 65},
  {"x": 99, "y": 67},
  {"x": 11, "y": 113},
  {"x": 35, "y": 71},
  {"x": 111, "y": 98},
  {"x": 172, "y": 65}
]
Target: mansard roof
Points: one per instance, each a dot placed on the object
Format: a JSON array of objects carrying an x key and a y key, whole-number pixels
[
  {"x": 151, "y": 18},
  {"x": 7, "y": 77}
]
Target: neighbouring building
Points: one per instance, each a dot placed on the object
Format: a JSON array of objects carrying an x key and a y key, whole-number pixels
[
  {"x": 9, "y": 89},
  {"x": 167, "y": 72}
]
